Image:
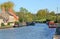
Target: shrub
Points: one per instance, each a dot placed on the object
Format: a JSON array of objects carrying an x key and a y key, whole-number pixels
[
  {"x": 16, "y": 22},
  {"x": 2, "y": 24},
  {"x": 8, "y": 23},
  {"x": 21, "y": 20}
]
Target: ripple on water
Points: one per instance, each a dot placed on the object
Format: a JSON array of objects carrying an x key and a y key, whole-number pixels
[{"x": 39, "y": 31}]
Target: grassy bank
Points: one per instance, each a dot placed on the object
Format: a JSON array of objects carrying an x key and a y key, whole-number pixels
[{"x": 4, "y": 27}]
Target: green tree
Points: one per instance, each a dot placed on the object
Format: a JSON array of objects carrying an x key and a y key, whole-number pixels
[
  {"x": 7, "y": 5},
  {"x": 52, "y": 13},
  {"x": 20, "y": 19},
  {"x": 42, "y": 14},
  {"x": 23, "y": 10},
  {"x": 29, "y": 17},
  {"x": 25, "y": 15},
  {"x": 52, "y": 16},
  {"x": 0, "y": 6}
]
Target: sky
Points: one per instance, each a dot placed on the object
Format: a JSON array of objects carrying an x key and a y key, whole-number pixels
[{"x": 35, "y": 5}]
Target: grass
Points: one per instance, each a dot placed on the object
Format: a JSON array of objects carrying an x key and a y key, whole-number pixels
[{"x": 3, "y": 27}]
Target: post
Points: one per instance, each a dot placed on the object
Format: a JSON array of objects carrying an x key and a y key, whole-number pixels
[{"x": 57, "y": 12}]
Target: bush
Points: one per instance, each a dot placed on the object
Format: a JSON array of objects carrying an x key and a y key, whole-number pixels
[
  {"x": 8, "y": 23},
  {"x": 16, "y": 22},
  {"x": 21, "y": 20},
  {"x": 2, "y": 24}
]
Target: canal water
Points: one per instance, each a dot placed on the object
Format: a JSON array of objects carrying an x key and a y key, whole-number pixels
[{"x": 39, "y": 31}]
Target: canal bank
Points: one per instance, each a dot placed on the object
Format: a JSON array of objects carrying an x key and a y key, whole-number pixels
[{"x": 17, "y": 25}]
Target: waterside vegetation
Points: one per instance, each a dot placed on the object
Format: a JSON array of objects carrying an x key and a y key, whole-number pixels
[{"x": 25, "y": 16}]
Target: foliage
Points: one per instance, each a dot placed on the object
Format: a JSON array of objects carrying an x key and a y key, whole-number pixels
[
  {"x": 7, "y": 5},
  {"x": 8, "y": 23},
  {"x": 52, "y": 13},
  {"x": 2, "y": 24},
  {"x": 23, "y": 10},
  {"x": 25, "y": 15},
  {"x": 41, "y": 14},
  {"x": 16, "y": 22},
  {"x": 21, "y": 20}
]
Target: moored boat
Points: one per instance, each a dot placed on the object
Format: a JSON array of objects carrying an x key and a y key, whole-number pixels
[
  {"x": 30, "y": 23},
  {"x": 51, "y": 24}
]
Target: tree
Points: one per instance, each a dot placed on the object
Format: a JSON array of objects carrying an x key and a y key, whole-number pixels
[
  {"x": 23, "y": 10},
  {"x": 29, "y": 17},
  {"x": 25, "y": 15},
  {"x": 0, "y": 6},
  {"x": 52, "y": 13},
  {"x": 7, "y": 5},
  {"x": 52, "y": 16},
  {"x": 20, "y": 19},
  {"x": 42, "y": 14}
]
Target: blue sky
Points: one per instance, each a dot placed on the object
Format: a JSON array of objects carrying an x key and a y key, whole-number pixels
[{"x": 34, "y": 5}]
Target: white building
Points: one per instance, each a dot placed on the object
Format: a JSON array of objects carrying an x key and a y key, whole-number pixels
[
  {"x": 11, "y": 19},
  {"x": 7, "y": 16}
]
